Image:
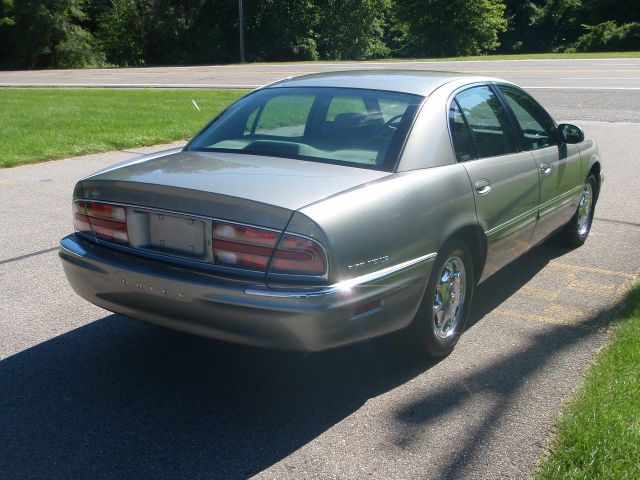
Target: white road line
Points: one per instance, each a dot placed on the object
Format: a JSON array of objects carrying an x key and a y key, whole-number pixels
[
  {"x": 252, "y": 86},
  {"x": 100, "y": 78},
  {"x": 598, "y": 78},
  {"x": 129, "y": 85},
  {"x": 531, "y": 87},
  {"x": 249, "y": 66},
  {"x": 405, "y": 62}
]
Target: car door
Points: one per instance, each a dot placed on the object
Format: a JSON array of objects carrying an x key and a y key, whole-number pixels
[
  {"x": 504, "y": 178},
  {"x": 558, "y": 163}
]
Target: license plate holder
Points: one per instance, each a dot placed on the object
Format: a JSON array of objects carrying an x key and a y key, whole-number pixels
[{"x": 172, "y": 233}]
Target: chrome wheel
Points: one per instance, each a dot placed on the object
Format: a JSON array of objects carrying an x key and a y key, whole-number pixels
[
  {"x": 584, "y": 209},
  {"x": 448, "y": 301}
]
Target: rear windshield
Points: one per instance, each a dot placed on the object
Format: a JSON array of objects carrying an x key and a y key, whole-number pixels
[{"x": 363, "y": 128}]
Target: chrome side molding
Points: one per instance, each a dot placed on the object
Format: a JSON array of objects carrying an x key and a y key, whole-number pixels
[{"x": 344, "y": 286}]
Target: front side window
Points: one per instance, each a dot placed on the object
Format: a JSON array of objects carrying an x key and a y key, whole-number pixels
[
  {"x": 488, "y": 122},
  {"x": 364, "y": 128},
  {"x": 538, "y": 128}
]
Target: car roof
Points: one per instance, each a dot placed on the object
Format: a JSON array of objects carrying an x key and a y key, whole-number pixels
[{"x": 416, "y": 82}]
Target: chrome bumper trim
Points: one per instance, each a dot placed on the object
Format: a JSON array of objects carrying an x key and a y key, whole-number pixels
[{"x": 344, "y": 286}]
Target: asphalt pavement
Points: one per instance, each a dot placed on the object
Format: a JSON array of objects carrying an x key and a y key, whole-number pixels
[
  {"x": 88, "y": 394},
  {"x": 603, "y": 89},
  {"x": 569, "y": 74}
]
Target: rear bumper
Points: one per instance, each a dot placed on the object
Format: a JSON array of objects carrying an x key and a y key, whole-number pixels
[{"x": 242, "y": 311}]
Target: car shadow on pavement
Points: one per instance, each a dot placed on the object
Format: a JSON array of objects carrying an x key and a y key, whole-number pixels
[
  {"x": 507, "y": 281},
  {"x": 505, "y": 389},
  {"x": 121, "y": 399}
]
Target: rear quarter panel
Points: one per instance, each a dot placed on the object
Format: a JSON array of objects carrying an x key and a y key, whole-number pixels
[{"x": 387, "y": 222}]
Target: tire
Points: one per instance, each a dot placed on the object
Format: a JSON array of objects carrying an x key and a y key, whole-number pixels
[
  {"x": 439, "y": 323},
  {"x": 578, "y": 228}
]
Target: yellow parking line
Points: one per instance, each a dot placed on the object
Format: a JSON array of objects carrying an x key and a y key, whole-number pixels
[
  {"x": 540, "y": 293},
  {"x": 591, "y": 288},
  {"x": 576, "y": 268},
  {"x": 534, "y": 318},
  {"x": 569, "y": 313}
]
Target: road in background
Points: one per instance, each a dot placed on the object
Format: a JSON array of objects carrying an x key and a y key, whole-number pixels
[
  {"x": 88, "y": 394},
  {"x": 593, "y": 74},
  {"x": 603, "y": 89}
]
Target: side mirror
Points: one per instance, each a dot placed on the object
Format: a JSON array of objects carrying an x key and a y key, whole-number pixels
[{"x": 570, "y": 133}]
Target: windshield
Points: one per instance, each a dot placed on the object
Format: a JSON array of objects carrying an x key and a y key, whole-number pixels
[{"x": 363, "y": 128}]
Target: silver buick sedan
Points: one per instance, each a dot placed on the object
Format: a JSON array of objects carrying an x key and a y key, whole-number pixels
[{"x": 328, "y": 209}]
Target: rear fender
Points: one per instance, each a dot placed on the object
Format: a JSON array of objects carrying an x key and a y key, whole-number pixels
[{"x": 398, "y": 219}]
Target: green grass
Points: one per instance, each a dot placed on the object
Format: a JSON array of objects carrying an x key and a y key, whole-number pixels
[
  {"x": 598, "y": 435},
  {"x": 534, "y": 56},
  {"x": 513, "y": 56},
  {"x": 44, "y": 124}
]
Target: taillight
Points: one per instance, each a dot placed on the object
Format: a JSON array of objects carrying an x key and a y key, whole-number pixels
[
  {"x": 244, "y": 247},
  {"x": 80, "y": 219},
  {"x": 298, "y": 256},
  {"x": 253, "y": 248},
  {"x": 107, "y": 222}
]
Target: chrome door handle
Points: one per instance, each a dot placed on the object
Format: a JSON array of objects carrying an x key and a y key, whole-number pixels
[
  {"x": 483, "y": 186},
  {"x": 545, "y": 168}
]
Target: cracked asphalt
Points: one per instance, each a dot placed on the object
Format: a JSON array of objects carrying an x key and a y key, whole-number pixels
[{"x": 88, "y": 394}]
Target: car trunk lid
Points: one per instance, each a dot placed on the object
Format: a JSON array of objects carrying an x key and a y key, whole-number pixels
[
  {"x": 226, "y": 179},
  {"x": 174, "y": 203}
]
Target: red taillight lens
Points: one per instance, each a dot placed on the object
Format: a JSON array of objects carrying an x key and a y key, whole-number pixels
[
  {"x": 252, "y": 248},
  {"x": 298, "y": 256},
  {"x": 104, "y": 210},
  {"x": 108, "y": 222},
  {"x": 244, "y": 247}
]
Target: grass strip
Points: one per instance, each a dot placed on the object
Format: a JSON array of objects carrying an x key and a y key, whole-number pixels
[
  {"x": 511, "y": 56},
  {"x": 38, "y": 124},
  {"x": 533, "y": 56},
  {"x": 598, "y": 434}
]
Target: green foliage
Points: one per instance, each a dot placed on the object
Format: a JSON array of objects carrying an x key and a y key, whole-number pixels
[
  {"x": 450, "y": 27},
  {"x": 620, "y": 11},
  {"x": 120, "y": 32},
  {"x": 77, "y": 33},
  {"x": 521, "y": 34},
  {"x": 558, "y": 24},
  {"x": 609, "y": 36},
  {"x": 78, "y": 49},
  {"x": 353, "y": 29},
  {"x": 138, "y": 32},
  {"x": 47, "y": 33},
  {"x": 212, "y": 34},
  {"x": 282, "y": 29}
]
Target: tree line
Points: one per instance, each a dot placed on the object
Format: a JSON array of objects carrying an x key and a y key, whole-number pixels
[{"x": 83, "y": 33}]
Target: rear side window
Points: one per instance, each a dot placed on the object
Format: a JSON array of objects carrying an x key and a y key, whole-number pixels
[
  {"x": 460, "y": 134},
  {"x": 487, "y": 120},
  {"x": 537, "y": 126}
]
